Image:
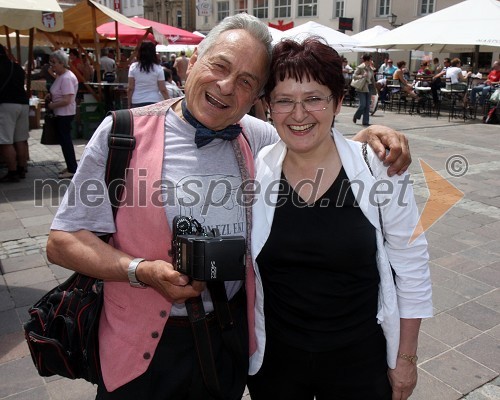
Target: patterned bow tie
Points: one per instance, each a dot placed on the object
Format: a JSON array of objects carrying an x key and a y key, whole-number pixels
[{"x": 204, "y": 135}]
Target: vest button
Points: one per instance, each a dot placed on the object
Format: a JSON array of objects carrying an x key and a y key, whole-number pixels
[
  {"x": 155, "y": 335},
  {"x": 163, "y": 313},
  {"x": 146, "y": 356}
]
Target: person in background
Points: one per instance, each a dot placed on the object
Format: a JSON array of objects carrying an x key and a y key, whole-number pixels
[
  {"x": 122, "y": 68},
  {"x": 436, "y": 67},
  {"x": 172, "y": 88},
  {"x": 164, "y": 61},
  {"x": 88, "y": 69},
  {"x": 404, "y": 85},
  {"x": 458, "y": 79},
  {"x": 487, "y": 87},
  {"x": 332, "y": 321},
  {"x": 108, "y": 65},
  {"x": 346, "y": 70},
  {"x": 146, "y": 345},
  {"x": 438, "y": 81},
  {"x": 14, "y": 119},
  {"x": 172, "y": 61},
  {"x": 383, "y": 66},
  {"x": 76, "y": 64},
  {"x": 364, "y": 70},
  {"x": 424, "y": 69},
  {"x": 387, "y": 72},
  {"x": 44, "y": 72},
  {"x": 181, "y": 64},
  {"x": 146, "y": 79},
  {"x": 62, "y": 102},
  {"x": 175, "y": 77}
]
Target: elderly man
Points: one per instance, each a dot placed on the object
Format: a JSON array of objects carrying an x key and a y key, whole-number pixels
[{"x": 190, "y": 160}]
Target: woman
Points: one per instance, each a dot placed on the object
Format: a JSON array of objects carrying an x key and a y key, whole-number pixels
[
  {"x": 424, "y": 69},
  {"x": 364, "y": 70},
  {"x": 399, "y": 75},
  {"x": 457, "y": 79},
  {"x": 146, "y": 81},
  {"x": 62, "y": 101},
  {"x": 323, "y": 267}
]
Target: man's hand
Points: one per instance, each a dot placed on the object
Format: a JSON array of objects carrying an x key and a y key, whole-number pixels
[
  {"x": 174, "y": 286},
  {"x": 381, "y": 138}
]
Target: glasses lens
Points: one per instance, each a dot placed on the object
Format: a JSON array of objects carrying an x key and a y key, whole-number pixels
[
  {"x": 283, "y": 106},
  {"x": 316, "y": 103},
  {"x": 309, "y": 104}
]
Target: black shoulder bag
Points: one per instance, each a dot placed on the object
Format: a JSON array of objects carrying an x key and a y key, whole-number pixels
[{"x": 63, "y": 325}]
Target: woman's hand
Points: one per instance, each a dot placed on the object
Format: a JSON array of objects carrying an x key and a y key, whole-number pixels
[{"x": 403, "y": 379}]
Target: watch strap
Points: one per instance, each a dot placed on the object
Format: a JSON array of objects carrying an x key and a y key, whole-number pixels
[{"x": 132, "y": 277}]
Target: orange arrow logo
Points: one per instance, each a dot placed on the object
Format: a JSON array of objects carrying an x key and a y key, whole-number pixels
[{"x": 442, "y": 197}]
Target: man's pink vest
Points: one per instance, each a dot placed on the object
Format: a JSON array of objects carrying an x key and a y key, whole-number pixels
[{"x": 132, "y": 319}]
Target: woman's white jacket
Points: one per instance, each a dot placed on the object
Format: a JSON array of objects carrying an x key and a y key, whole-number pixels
[{"x": 410, "y": 294}]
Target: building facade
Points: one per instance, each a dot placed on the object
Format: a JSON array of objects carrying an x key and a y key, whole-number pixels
[
  {"x": 364, "y": 13},
  {"x": 178, "y": 13}
]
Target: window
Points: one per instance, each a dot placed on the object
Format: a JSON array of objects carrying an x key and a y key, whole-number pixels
[
  {"x": 308, "y": 8},
  {"x": 260, "y": 8},
  {"x": 240, "y": 6},
  {"x": 339, "y": 9},
  {"x": 426, "y": 7},
  {"x": 282, "y": 8},
  {"x": 179, "y": 18},
  {"x": 384, "y": 8},
  {"x": 222, "y": 10}
]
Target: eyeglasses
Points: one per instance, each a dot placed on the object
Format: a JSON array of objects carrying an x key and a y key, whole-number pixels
[{"x": 315, "y": 103}]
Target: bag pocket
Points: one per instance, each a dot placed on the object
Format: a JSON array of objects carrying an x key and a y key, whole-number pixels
[{"x": 49, "y": 356}]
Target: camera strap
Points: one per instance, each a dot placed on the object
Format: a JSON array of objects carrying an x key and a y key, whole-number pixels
[
  {"x": 206, "y": 358},
  {"x": 196, "y": 311},
  {"x": 201, "y": 334}
]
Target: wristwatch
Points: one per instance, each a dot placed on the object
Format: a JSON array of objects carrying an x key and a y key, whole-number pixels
[
  {"x": 132, "y": 278},
  {"x": 412, "y": 359}
]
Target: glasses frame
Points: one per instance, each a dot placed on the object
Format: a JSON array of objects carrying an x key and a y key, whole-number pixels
[{"x": 327, "y": 98}]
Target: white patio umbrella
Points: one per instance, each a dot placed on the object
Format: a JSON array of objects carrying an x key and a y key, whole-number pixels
[
  {"x": 369, "y": 35},
  {"x": 22, "y": 15},
  {"x": 276, "y": 34},
  {"x": 336, "y": 39},
  {"x": 472, "y": 25}
]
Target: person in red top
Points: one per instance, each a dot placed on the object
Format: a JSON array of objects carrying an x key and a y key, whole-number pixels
[{"x": 487, "y": 86}]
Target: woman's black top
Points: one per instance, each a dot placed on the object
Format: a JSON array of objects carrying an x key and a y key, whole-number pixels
[{"x": 319, "y": 271}]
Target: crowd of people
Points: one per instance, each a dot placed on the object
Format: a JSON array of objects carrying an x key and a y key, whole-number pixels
[{"x": 430, "y": 73}]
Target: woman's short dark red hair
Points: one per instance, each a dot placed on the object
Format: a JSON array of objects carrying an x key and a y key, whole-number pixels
[{"x": 311, "y": 59}]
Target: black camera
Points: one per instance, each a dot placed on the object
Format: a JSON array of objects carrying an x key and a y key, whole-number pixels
[{"x": 206, "y": 256}]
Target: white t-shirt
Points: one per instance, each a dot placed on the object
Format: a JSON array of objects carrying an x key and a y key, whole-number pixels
[
  {"x": 146, "y": 83},
  {"x": 203, "y": 183},
  {"x": 453, "y": 72}
]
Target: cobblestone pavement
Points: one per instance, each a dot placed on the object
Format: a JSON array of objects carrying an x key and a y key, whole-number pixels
[{"x": 459, "y": 348}]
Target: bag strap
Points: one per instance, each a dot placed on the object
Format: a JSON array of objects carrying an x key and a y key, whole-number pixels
[
  {"x": 365, "y": 156},
  {"x": 121, "y": 143}
]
